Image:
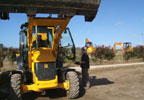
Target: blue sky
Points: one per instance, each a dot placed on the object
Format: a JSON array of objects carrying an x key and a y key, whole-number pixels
[{"x": 116, "y": 21}]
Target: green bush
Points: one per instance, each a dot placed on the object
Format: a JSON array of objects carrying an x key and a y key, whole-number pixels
[
  {"x": 139, "y": 52},
  {"x": 128, "y": 55},
  {"x": 103, "y": 52}
]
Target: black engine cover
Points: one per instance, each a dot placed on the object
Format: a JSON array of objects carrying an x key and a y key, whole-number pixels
[{"x": 45, "y": 71}]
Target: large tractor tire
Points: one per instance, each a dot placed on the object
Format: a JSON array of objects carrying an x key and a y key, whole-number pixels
[
  {"x": 73, "y": 79},
  {"x": 15, "y": 87}
]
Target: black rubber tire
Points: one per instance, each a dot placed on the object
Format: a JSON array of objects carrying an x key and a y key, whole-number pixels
[
  {"x": 74, "y": 85},
  {"x": 15, "y": 87}
]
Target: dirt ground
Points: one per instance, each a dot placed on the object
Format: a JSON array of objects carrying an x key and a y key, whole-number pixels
[{"x": 106, "y": 84}]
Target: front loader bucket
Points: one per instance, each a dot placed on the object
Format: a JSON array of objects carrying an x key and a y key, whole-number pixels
[{"x": 88, "y": 8}]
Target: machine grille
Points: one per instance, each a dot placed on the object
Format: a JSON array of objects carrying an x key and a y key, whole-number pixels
[{"x": 45, "y": 71}]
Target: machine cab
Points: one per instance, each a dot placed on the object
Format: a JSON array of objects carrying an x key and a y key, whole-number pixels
[
  {"x": 127, "y": 45},
  {"x": 89, "y": 44},
  {"x": 42, "y": 36},
  {"x": 42, "y": 44},
  {"x": 43, "y": 39}
]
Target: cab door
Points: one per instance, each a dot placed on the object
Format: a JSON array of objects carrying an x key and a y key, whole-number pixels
[
  {"x": 22, "y": 60},
  {"x": 67, "y": 45}
]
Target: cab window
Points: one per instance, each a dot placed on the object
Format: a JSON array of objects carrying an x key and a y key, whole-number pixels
[{"x": 42, "y": 37}]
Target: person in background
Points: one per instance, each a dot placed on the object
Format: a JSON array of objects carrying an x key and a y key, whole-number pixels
[{"x": 84, "y": 64}]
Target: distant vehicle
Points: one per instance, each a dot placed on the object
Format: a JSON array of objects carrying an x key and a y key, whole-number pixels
[
  {"x": 125, "y": 47},
  {"x": 89, "y": 46}
]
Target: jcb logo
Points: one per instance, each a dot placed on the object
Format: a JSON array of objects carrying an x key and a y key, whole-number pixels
[{"x": 45, "y": 65}]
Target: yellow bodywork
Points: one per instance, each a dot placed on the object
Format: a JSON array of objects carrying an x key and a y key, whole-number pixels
[
  {"x": 39, "y": 55},
  {"x": 131, "y": 48},
  {"x": 91, "y": 50},
  {"x": 43, "y": 54},
  {"x": 43, "y": 85}
]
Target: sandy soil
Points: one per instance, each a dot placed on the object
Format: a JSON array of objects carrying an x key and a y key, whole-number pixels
[
  {"x": 106, "y": 84},
  {"x": 114, "y": 84}
]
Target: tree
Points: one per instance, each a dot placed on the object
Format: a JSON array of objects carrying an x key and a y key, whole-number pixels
[
  {"x": 103, "y": 52},
  {"x": 139, "y": 52}
]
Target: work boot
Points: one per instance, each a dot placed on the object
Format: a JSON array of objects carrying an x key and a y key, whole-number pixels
[
  {"x": 43, "y": 93},
  {"x": 87, "y": 85}
]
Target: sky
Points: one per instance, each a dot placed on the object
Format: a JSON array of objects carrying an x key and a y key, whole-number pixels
[{"x": 116, "y": 21}]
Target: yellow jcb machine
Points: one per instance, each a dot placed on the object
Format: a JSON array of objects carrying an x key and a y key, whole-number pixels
[
  {"x": 42, "y": 42},
  {"x": 125, "y": 47},
  {"x": 89, "y": 46}
]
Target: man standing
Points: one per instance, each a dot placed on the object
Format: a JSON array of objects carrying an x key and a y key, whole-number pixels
[{"x": 85, "y": 67}]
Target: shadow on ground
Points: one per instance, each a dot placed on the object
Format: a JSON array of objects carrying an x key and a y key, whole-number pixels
[
  {"x": 96, "y": 81},
  {"x": 52, "y": 94},
  {"x": 100, "y": 81},
  {"x": 93, "y": 82}
]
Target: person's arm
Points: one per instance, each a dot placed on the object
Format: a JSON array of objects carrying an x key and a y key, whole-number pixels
[
  {"x": 85, "y": 58},
  {"x": 77, "y": 63},
  {"x": 82, "y": 62}
]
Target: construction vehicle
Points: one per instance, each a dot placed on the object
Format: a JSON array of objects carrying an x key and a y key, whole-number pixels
[
  {"x": 42, "y": 42},
  {"x": 125, "y": 47},
  {"x": 89, "y": 46}
]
